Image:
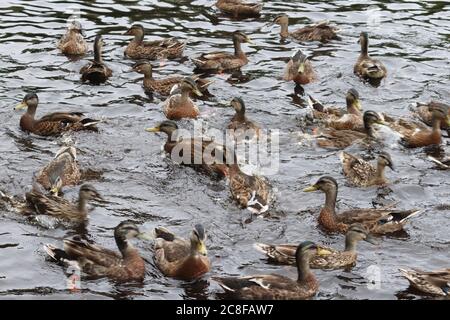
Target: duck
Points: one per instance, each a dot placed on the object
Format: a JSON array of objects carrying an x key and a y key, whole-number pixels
[
  {"x": 327, "y": 258},
  {"x": 63, "y": 167},
  {"x": 73, "y": 43},
  {"x": 180, "y": 258},
  {"x": 124, "y": 266},
  {"x": 178, "y": 105},
  {"x": 219, "y": 61},
  {"x": 422, "y": 137},
  {"x": 377, "y": 221},
  {"x": 240, "y": 126},
  {"x": 423, "y": 111},
  {"x": 96, "y": 71},
  {"x": 332, "y": 138},
  {"x": 361, "y": 173},
  {"x": 60, "y": 208},
  {"x": 165, "y": 85},
  {"x": 435, "y": 283},
  {"x": 251, "y": 192},
  {"x": 321, "y": 31},
  {"x": 351, "y": 119},
  {"x": 239, "y": 8},
  {"x": 213, "y": 161},
  {"x": 299, "y": 69},
  {"x": 367, "y": 67},
  {"x": 274, "y": 286},
  {"x": 52, "y": 124},
  {"x": 170, "y": 48}
]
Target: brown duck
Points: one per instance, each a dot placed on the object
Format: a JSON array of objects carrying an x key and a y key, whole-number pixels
[
  {"x": 299, "y": 69},
  {"x": 377, "y": 221},
  {"x": 179, "y": 258},
  {"x": 241, "y": 127},
  {"x": 367, "y": 67},
  {"x": 424, "y": 111},
  {"x": 73, "y": 43},
  {"x": 321, "y": 31},
  {"x": 178, "y": 105},
  {"x": 54, "y": 123},
  {"x": 239, "y": 8},
  {"x": 96, "y": 71}
]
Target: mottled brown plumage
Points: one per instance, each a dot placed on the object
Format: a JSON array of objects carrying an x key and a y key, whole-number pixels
[
  {"x": 435, "y": 283},
  {"x": 239, "y": 8},
  {"x": 180, "y": 258},
  {"x": 424, "y": 111},
  {"x": 377, "y": 221},
  {"x": 241, "y": 127},
  {"x": 299, "y": 69},
  {"x": 169, "y": 48},
  {"x": 274, "y": 286},
  {"x": 367, "y": 67},
  {"x": 361, "y": 173},
  {"x": 326, "y": 258},
  {"x": 220, "y": 61},
  {"x": 200, "y": 153},
  {"x": 54, "y": 123},
  {"x": 126, "y": 265},
  {"x": 178, "y": 105},
  {"x": 96, "y": 71},
  {"x": 73, "y": 43},
  {"x": 320, "y": 31}
]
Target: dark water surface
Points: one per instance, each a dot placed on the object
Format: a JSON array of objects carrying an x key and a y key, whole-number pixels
[{"x": 411, "y": 38}]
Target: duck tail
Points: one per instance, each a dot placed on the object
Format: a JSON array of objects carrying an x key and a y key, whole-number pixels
[
  {"x": 262, "y": 247},
  {"x": 57, "y": 254},
  {"x": 87, "y": 122},
  {"x": 256, "y": 204}
]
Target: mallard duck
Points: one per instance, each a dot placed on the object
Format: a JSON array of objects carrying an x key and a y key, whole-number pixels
[
  {"x": 241, "y": 127},
  {"x": 212, "y": 159},
  {"x": 178, "y": 105},
  {"x": 299, "y": 69},
  {"x": 416, "y": 138},
  {"x": 180, "y": 258},
  {"x": 436, "y": 283},
  {"x": 239, "y": 8},
  {"x": 274, "y": 286},
  {"x": 340, "y": 139},
  {"x": 424, "y": 111},
  {"x": 321, "y": 31},
  {"x": 377, "y": 221},
  {"x": 250, "y": 192},
  {"x": 61, "y": 208},
  {"x": 96, "y": 261},
  {"x": 96, "y": 71},
  {"x": 54, "y": 123},
  {"x": 367, "y": 67},
  {"x": 327, "y": 258},
  {"x": 64, "y": 167},
  {"x": 164, "y": 86},
  {"x": 169, "y": 48},
  {"x": 73, "y": 43},
  {"x": 363, "y": 174},
  {"x": 220, "y": 61}
]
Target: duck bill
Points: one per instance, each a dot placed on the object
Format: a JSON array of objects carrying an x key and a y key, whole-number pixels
[
  {"x": 145, "y": 236},
  {"x": 128, "y": 32},
  {"x": 249, "y": 40},
  {"x": 201, "y": 248},
  {"x": 54, "y": 191},
  {"x": 197, "y": 92},
  {"x": 323, "y": 251},
  {"x": 21, "y": 106},
  {"x": 301, "y": 67},
  {"x": 310, "y": 189},
  {"x": 155, "y": 129},
  {"x": 357, "y": 105}
]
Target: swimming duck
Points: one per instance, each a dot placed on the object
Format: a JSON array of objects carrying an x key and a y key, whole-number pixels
[
  {"x": 377, "y": 221},
  {"x": 61, "y": 208},
  {"x": 178, "y": 105},
  {"x": 321, "y": 31},
  {"x": 340, "y": 139},
  {"x": 274, "y": 286},
  {"x": 250, "y": 192},
  {"x": 164, "y": 86},
  {"x": 239, "y": 8},
  {"x": 367, "y": 67},
  {"x": 73, "y": 43},
  {"x": 299, "y": 69},
  {"x": 327, "y": 258},
  {"x": 424, "y": 112},
  {"x": 63, "y": 167},
  {"x": 96, "y": 71},
  {"x": 96, "y": 261},
  {"x": 436, "y": 283},
  {"x": 180, "y": 258},
  {"x": 169, "y": 48},
  {"x": 54, "y": 123},
  {"x": 363, "y": 174},
  {"x": 212, "y": 161},
  {"x": 220, "y": 61},
  {"x": 416, "y": 138},
  {"x": 240, "y": 125}
]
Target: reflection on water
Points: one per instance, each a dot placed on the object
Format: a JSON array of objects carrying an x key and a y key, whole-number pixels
[{"x": 125, "y": 163}]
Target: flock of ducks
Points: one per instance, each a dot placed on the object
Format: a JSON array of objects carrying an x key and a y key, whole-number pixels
[{"x": 187, "y": 259}]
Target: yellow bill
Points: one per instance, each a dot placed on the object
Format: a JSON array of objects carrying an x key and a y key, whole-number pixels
[
  {"x": 301, "y": 68},
  {"x": 155, "y": 129},
  {"x": 310, "y": 189},
  {"x": 201, "y": 248},
  {"x": 21, "y": 106}
]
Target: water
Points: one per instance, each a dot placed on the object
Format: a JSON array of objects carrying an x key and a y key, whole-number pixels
[{"x": 410, "y": 37}]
